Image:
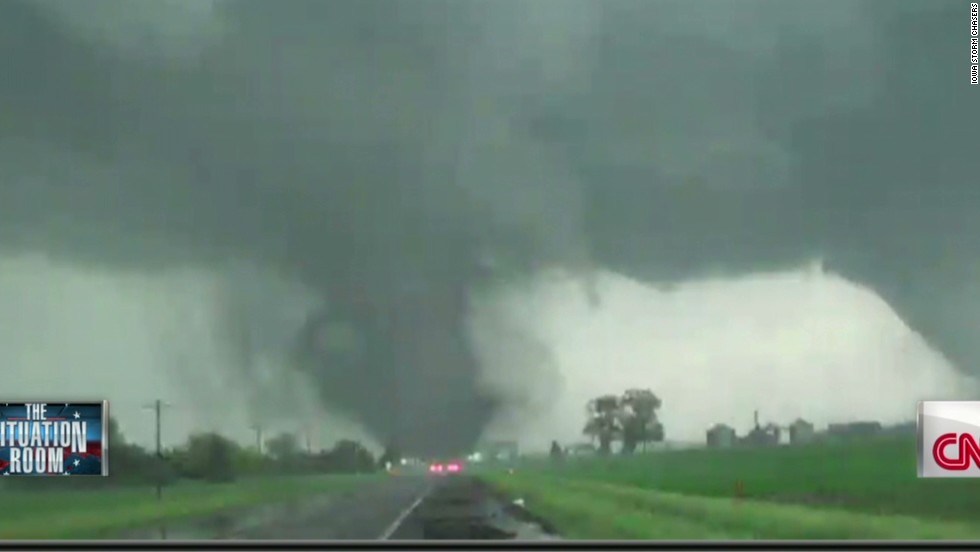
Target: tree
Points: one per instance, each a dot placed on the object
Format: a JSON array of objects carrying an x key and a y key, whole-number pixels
[
  {"x": 604, "y": 423},
  {"x": 284, "y": 448},
  {"x": 351, "y": 457},
  {"x": 592, "y": 429},
  {"x": 391, "y": 455},
  {"x": 631, "y": 417},
  {"x": 211, "y": 457},
  {"x": 251, "y": 461},
  {"x": 556, "y": 451},
  {"x": 115, "y": 435},
  {"x": 131, "y": 462},
  {"x": 638, "y": 418},
  {"x": 654, "y": 433}
]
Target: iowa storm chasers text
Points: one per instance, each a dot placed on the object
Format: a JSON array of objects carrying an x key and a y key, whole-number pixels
[{"x": 37, "y": 443}]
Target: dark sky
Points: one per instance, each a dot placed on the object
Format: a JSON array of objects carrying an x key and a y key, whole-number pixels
[{"x": 395, "y": 155}]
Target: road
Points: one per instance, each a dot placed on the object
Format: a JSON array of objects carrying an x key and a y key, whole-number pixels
[
  {"x": 396, "y": 508},
  {"x": 367, "y": 513}
]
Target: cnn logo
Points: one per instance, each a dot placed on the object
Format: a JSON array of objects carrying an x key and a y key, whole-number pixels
[{"x": 948, "y": 438}]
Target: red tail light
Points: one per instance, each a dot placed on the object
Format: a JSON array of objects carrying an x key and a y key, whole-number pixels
[
  {"x": 454, "y": 467},
  {"x": 435, "y": 468}
]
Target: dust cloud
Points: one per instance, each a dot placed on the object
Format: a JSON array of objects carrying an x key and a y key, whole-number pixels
[
  {"x": 180, "y": 336},
  {"x": 799, "y": 343}
]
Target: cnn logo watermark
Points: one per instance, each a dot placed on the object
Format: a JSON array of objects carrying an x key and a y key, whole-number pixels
[{"x": 948, "y": 438}]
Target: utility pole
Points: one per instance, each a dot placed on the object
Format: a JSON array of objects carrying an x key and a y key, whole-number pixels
[
  {"x": 258, "y": 437},
  {"x": 157, "y": 407}
]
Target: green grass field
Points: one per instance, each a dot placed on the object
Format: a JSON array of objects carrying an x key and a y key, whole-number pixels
[
  {"x": 591, "y": 510},
  {"x": 107, "y": 512},
  {"x": 853, "y": 490}
]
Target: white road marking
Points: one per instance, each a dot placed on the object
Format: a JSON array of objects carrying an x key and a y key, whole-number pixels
[{"x": 403, "y": 516}]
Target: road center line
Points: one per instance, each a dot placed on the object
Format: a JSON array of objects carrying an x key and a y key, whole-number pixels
[{"x": 404, "y": 515}]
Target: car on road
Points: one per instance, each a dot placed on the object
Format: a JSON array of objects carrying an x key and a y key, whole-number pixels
[{"x": 446, "y": 468}]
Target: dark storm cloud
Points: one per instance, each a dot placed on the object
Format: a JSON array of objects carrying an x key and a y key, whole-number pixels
[{"x": 382, "y": 151}]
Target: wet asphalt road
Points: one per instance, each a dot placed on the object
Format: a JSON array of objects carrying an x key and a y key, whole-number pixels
[
  {"x": 404, "y": 507},
  {"x": 372, "y": 512}
]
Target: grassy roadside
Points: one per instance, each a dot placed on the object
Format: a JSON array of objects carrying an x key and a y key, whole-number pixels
[
  {"x": 576, "y": 515},
  {"x": 876, "y": 477},
  {"x": 592, "y": 510},
  {"x": 103, "y": 513}
]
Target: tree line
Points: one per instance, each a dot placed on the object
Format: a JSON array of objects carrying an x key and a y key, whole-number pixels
[{"x": 211, "y": 457}]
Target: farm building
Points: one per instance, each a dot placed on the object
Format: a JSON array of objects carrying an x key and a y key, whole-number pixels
[
  {"x": 801, "y": 431},
  {"x": 767, "y": 435},
  {"x": 721, "y": 436}
]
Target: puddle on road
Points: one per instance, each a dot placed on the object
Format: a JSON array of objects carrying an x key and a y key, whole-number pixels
[
  {"x": 489, "y": 529},
  {"x": 524, "y": 531},
  {"x": 471, "y": 510},
  {"x": 522, "y": 528},
  {"x": 535, "y": 534}
]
